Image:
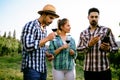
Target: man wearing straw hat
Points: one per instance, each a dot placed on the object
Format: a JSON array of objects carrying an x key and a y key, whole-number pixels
[{"x": 33, "y": 39}]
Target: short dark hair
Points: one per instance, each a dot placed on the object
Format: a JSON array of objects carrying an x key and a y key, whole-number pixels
[{"x": 93, "y": 10}]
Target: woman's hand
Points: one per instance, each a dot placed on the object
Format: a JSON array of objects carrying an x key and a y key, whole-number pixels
[{"x": 71, "y": 52}]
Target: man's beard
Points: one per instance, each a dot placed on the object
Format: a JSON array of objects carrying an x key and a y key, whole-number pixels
[
  {"x": 93, "y": 23},
  {"x": 48, "y": 23}
]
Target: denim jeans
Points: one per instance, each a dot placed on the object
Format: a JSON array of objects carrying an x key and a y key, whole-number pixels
[{"x": 31, "y": 74}]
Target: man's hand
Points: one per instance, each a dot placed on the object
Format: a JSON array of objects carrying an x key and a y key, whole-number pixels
[
  {"x": 105, "y": 46},
  {"x": 93, "y": 41},
  {"x": 51, "y": 36},
  {"x": 50, "y": 57}
]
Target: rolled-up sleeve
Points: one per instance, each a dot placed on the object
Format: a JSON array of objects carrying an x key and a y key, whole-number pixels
[
  {"x": 51, "y": 47},
  {"x": 114, "y": 46},
  {"x": 73, "y": 47},
  {"x": 82, "y": 44},
  {"x": 28, "y": 38}
]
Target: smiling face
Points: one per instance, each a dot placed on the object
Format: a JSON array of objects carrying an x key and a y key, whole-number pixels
[{"x": 66, "y": 27}]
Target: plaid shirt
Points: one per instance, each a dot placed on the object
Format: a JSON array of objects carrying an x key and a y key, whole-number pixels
[
  {"x": 95, "y": 60},
  {"x": 63, "y": 60},
  {"x": 33, "y": 56}
]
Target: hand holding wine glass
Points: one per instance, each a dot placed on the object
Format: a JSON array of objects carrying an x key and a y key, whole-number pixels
[{"x": 51, "y": 36}]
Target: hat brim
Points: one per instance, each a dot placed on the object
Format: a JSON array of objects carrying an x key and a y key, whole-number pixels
[{"x": 48, "y": 12}]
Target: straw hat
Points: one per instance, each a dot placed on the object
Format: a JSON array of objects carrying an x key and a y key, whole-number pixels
[{"x": 49, "y": 9}]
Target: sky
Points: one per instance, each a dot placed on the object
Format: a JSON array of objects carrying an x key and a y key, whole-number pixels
[{"x": 14, "y": 14}]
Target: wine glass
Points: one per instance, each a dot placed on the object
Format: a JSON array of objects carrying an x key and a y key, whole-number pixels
[
  {"x": 54, "y": 30},
  {"x": 68, "y": 39}
]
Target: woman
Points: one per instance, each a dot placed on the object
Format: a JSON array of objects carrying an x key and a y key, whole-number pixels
[{"x": 64, "y": 53}]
